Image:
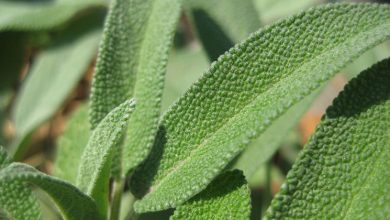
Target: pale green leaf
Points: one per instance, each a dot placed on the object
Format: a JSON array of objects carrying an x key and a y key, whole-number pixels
[
  {"x": 32, "y": 16},
  {"x": 62, "y": 64},
  {"x": 226, "y": 198},
  {"x": 72, "y": 202},
  {"x": 94, "y": 171},
  {"x": 342, "y": 172},
  {"x": 133, "y": 56},
  {"x": 221, "y": 24},
  {"x": 71, "y": 145},
  {"x": 263, "y": 148},
  {"x": 247, "y": 89}
]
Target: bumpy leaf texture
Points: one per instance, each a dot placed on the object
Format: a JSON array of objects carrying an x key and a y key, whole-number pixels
[
  {"x": 62, "y": 64},
  {"x": 221, "y": 24},
  {"x": 342, "y": 172},
  {"x": 94, "y": 171},
  {"x": 247, "y": 89},
  {"x": 32, "y": 16},
  {"x": 19, "y": 203},
  {"x": 133, "y": 56},
  {"x": 227, "y": 197},
  {"x": 71, "y": 145}
]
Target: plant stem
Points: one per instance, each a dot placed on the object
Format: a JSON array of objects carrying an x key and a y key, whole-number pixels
[
  {"x": 267, "y": 188},
  {"x": 116, "y": 200}
]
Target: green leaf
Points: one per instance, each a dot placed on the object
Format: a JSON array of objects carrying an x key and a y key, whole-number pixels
[
  {"x": 133, "y": 56},
  {"x": 32, "y": 16},
  {"x": 62, "y": 64},
  {"x": 94, "y": 171},
  {"x": 247, "y": 89},
  {"x": 72, "y": 202},
  {"x": 263, "y": 148},
  {"x": 221, "y": 24},
  {"x": 342, "y": 172},
  {"x": 4, "y": 159},
  {"x": 227, "y": 197},
  {"x": 71, "y": 145}
]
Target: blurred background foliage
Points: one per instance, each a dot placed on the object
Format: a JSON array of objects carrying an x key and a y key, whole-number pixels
[{"x": 47, "y": 54}]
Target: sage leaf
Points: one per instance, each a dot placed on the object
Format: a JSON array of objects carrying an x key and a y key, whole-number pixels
[
  {"x": 33, "y": 16},
  {"x": 263, "y": 148},
  {"x": 132, "y": 62},
  {"x": 94, "y": 171},
  {"x": 62, "y": 64},
  {"x": 246, "y": 90},
  {"x": 221, "y": 24},
  {"x": 71, "y": 145},
  {"x": 342, "y": 173},
  {"x": 72, "y": 202},
  {"x": 227, "y": 197}
]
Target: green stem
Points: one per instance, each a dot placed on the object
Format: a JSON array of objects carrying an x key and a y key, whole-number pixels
[
  {"x": 267, "y": 189},
  {"x": 116, "y": 200}
]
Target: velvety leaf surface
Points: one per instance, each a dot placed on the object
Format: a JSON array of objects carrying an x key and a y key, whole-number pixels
[
  {"x": 71, "y": 145},
  {"x": 248, "y": 88},
  {"x": 94, "y": 171},
  {"x": 221, "y": 24},
  {"x": 72, "y": 202},
  {"x": 262, "y": 149},
  {"x": 62, "y": 64},
  {"x": 29, "y": 16},
  {"x": 342, "y": 172},
  {"x": 132, "y": 62},
  {"x": 227, "y": 197}
]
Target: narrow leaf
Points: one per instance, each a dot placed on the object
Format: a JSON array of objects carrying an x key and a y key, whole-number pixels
[
  {"x": 221, "y": 24},
  {"x": 94, "y": 172},
  {"x": 71, "y": 145},
  {"x": 227, "y": 197},
  {"x": 62, "y": 64},
  {"x": 72, "y": 202},
  {"x": 133, "y": 56},
  {"x": 342, "y": 172},
  {"x": 247, "y": 89},
  {"x": 32, "y": 16}
]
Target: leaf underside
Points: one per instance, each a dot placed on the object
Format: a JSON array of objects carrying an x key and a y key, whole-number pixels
[
  {"x": 94, "y": 171},
  {"x": 342, "y": 172},
  {"x": 22, "y": 205},
  {"x": 227, "y": 197},
  {"x": 245, "y": 90}
]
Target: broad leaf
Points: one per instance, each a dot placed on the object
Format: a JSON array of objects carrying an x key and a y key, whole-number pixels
[
  {"x": 71, "y": 145},
  {"x": 263, "y": 148},
  {"x": 248, "y": 88},
  {"x": 13, "y": 182},
  {"x": 221, "y": 24},
  {"x": 94, "y": 172},
  {"x": 133, "y": 56},
  {"x": 31, "y": 16},
  {"x": 62, "y": 64},
  {"x": 227, "y": 197},
  {"x": 342, "y": 172}
]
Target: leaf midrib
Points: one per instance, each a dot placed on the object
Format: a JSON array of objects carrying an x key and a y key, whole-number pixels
[{"x": 248, "y": 103}]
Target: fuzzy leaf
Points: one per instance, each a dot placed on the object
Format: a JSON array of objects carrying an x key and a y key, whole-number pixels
[
  {"x": 221, "y": 24},
  {"x": 71, "y": 145},
  {"x": 94, "y": 172},
  {"x": 72, "y": 202},
  {"x": 62, "y": 64},
  {"x": 263, "y": 148},
  {"x": 32, "y": 16},
  {"x": 342, "y": 172},
  {"x": 247, "y": 89},
  {"x": 227, "y": 197},
  {"x": 133, "y": 56}
]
